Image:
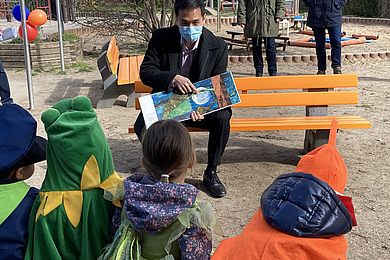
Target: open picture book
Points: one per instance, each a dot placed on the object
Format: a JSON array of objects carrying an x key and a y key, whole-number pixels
[{"x": 215, "y": 93}]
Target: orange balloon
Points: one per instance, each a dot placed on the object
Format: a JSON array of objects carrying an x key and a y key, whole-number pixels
[
  {"x": 37, "y": 17},
  {"x": 32, "y": 32}
]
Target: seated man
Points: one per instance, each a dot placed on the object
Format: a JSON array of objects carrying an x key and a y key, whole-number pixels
[
  {"x": 302, "y": 214},
  {"x": 180, "y": 55}
]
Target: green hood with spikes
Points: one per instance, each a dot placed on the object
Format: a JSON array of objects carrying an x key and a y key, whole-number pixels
[{"x": 71, "y": 219}]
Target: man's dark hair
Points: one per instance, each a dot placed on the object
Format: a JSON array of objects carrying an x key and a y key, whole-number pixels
[{"x": 189, "y": 5}]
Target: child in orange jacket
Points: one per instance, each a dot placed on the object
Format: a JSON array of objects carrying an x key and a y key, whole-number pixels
[{"x": 302, "y": 215}]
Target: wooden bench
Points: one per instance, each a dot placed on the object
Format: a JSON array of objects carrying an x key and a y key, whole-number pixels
[
  {"x": 118, "y": 74},
  {"x": 314, "y": 92},
  {"x": 280, "y": 41},
  {"x": 231, "y": 4}
]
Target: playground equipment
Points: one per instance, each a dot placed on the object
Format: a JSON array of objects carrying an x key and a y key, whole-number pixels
[{"x": 309, "y": 42}]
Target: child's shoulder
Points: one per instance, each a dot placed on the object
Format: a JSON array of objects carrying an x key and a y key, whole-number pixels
[{"x": 32, "y": 193}]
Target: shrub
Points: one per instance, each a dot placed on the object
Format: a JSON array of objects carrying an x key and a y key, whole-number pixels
[{"x": 362, "y": 8}]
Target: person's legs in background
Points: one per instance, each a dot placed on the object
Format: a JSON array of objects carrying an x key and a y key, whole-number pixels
[
  {"x": 139, "y": 127},
  {"x": 319, "y": 34},
  {"x": 335, "y": 42},
  {"x": 271, "y": 55},
  {"x": 257, "y": 56}
]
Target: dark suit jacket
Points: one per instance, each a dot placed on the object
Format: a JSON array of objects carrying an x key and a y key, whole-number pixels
[{"x": 162, "y": 59}]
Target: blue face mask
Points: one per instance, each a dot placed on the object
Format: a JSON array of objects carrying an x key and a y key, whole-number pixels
[{"x": 190, "y": 33}]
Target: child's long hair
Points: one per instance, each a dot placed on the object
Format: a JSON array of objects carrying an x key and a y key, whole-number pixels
[{"x": 167, "y": 150}]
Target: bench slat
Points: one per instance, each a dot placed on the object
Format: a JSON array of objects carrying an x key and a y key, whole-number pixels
[
  {"x": 294, "y": 99},
  {"x": 129, "y": 69},
  {"x": 291, "y": 123},
  {"x": 298, "y": 99},
  {"x": 285, "y": 82},
  {"x": 304, "y": 123},
  {"x": 113, "y": 59},
  {"x": 123, "y": 73},
  {"x": 115, "y": 63},
  {"x": 297, "y": 82},
  {"x": 135, "y": 63}
]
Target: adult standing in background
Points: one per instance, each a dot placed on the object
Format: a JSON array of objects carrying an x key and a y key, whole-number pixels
[
  {"x": 326, "y": 14},
  {"x": 260, "y": 20}
]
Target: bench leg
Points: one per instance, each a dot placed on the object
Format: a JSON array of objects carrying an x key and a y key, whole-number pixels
[
  {"x": 314, "y": 139},
  {"x": 111, "y": 94}
]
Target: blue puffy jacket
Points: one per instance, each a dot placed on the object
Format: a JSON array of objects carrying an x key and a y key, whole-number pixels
[
  {"x": 302, "y": 205},
  {"x": 324, "y": 13}
]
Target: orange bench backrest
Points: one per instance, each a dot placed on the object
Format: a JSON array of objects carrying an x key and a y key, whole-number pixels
[
  {"x": 294, "y": 85},
  {"x": 113, "y": 55}
]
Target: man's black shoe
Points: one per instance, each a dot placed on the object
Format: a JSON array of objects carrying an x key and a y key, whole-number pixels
[{"x": 213, "y": 185}]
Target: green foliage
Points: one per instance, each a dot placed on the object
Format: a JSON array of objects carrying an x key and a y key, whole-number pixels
[
  {"x": 362, "y": 8},
  {"x": 16, "y": 41},
  {"x": 36, "y": 70},
  {"x": 68, "y": 37},
  {"x": 56, "y": 70},
  {"x": 19, "y": 40},
  {"x": 82, "y": 66}
]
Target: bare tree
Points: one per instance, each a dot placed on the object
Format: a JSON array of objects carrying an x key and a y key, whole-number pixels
[{"x": 131, "y": 18}]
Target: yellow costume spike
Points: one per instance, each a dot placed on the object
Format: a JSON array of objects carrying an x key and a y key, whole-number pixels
[
  {"x": 90, "y": 177},
  {"x": 73, "y": 199},
  {"x": 73, "y": 204}
]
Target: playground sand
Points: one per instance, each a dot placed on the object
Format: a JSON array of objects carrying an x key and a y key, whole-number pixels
[{"x": 253, "y": 160}]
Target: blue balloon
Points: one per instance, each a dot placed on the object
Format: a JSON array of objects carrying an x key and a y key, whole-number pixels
[{"x": 16, "y": 12}]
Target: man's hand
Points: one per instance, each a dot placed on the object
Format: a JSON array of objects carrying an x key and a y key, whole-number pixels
[
  {"x": 183, "y": 84},
  {"x": 196, "y": 116}
]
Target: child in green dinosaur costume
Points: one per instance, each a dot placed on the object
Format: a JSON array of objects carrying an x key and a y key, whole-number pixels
[{"x": 70, "y": 219}]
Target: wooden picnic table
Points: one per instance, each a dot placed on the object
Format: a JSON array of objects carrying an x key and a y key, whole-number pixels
[
  {"x": 281, "y": 43},
  {"x": 302, "y": 22}
]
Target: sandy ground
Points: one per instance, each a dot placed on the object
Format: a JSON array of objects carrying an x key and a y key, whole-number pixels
[{"x": 253, "y": 160}]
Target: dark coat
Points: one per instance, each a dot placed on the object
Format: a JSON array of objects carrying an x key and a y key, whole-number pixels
[
  {"x": 259, "y": 17},
  {"x": 162, "y": 59},
  {"x": 302, "y": 205},
  {"x": 14, "y": 230},
  {"x": 324, "y": 13}
]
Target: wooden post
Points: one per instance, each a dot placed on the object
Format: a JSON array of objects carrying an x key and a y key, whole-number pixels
[
  {"x": 315, "y": 138},
  {"x": 296, "y": 7},
  {"x": 211, "y": 4},
  {"x": 65, "y": 11}
]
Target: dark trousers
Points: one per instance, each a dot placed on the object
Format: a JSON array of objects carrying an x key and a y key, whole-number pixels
[
  {"x": 270, "y": 50},
  {"x": 218, "y": 125},
  {"x": 335, "y": 43},
  {"x": 5, "y": 95}
]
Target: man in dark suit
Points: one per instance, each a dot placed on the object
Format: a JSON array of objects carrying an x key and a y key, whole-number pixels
[
  {"x": 180, "y": 55},
  {"x": 326, "y": 15}
]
